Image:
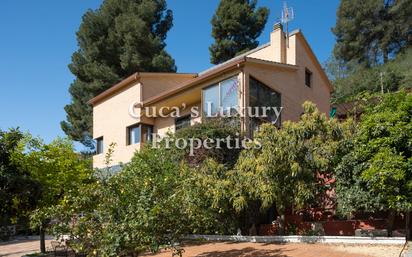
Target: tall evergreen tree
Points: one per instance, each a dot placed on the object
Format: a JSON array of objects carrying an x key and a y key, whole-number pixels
[
  {"x": 119, "y": 38},
  {"x": 369, "y": 32},
  {"x": 235, "y": 27}
]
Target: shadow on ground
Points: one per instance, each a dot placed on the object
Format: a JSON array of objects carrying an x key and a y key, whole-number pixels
[{"x": 245, "y": 252}]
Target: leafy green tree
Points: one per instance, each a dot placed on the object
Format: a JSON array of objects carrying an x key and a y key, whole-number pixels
[
  {"x": 116, "y": 40},
  {"x": 138, "y": 209},
  {"x": 57, "y": 168},
  {"x": 285, "y": 170},
  {"x": 19, "y": 192},
  {"x": 375, "y": 174},
  {"x": 235, "y": 27},
  {"x": 369, "y": 32}
]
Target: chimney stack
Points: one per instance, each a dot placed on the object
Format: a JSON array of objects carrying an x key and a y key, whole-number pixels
[{"x": 278, "y": 43}]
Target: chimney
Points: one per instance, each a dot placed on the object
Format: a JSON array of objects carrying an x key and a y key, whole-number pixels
[{"x": 278, "y": 43}]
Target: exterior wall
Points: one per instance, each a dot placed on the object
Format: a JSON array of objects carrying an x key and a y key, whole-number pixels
[
  {"x": 110, "y": 120},
  {"x": 291, "y": 85},
  {"x": 319, "y": 92}
]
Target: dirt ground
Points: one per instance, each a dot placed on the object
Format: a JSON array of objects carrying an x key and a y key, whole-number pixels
[{"x": 233, "y": 249}]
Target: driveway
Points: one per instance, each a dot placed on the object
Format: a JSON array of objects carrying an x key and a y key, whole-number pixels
[{"x": 17, "y": 248}]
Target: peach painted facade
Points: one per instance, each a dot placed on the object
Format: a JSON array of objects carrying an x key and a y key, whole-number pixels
[{"x": 284, "y": 65}]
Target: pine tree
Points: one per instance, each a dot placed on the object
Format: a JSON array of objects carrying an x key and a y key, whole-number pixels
[
  {"x": 116, "y": 40},
  {"x": 370, "y": 32},
  {"x": 235, "y": 27}
]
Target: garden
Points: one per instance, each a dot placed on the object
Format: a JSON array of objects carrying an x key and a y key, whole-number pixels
[{"x": 314, "y": 171}]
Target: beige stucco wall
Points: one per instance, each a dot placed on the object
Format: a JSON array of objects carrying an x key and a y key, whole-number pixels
[
  {"x": 291, "y": 83},
  {"x": 110, "y": 120},
  {"x": 319, "y": 92}
]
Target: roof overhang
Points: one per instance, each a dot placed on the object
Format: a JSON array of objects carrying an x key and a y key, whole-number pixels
[{"x": 132, "y": 79}]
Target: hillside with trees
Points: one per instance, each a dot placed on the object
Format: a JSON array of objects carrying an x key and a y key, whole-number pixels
[{"x": 372, "y": 51}]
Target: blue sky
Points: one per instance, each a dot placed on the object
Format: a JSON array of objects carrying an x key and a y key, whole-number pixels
[{"x": 37, "y": 39}]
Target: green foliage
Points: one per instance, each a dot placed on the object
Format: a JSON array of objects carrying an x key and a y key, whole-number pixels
[
  {"x": 56, "y": 166},
  {"x": 369, "y": 32},
  {"x": 375, "y": 173},
  {"x": 391, "y": 76},
  {"x": 235, "y": 28},
  {"x": 285, "y": 170},
  {"x": 150, "y": 203},
  {"x": 215, "y": 128},
  {"x": 116, "y": 40},
  {"x": 19, "y": 192}
]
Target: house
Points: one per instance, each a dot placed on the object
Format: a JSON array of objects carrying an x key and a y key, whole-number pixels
[{"x": 283, "y": 72}]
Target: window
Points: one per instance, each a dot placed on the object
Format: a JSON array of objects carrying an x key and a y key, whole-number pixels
[
  {"x": 308, "y": 78},
  {"x": 99, "y": 145},
  {"x": 139, "y": 133},
  {"x": 133, "y": 135},
  {"x": 261, "y": 96},
  {"x": 182, "y": 122},
  {"x": 222, "y": 95},
  {"x": 147, "y": 132}
]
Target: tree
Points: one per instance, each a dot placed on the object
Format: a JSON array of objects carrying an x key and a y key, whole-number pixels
[
  {"x": 19, "y": 192},
  {"x": 116, "y": 40},
  {"x": 285, "y": 170},
  {"x": 375, "y": 174},
  {"x": 153, "y": 201},
  {"x": 57, "y": 168},
  {"x": 389, "y": 77},
  {"x": 370, "y": 32},
  {"x": 235, "y": 28},
  {"x": 138, "y": 209}
]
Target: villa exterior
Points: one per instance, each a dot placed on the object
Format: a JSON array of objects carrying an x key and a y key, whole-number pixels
[{"x": 283, "y": 72}]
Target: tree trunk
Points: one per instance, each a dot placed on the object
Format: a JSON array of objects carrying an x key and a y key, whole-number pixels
[
  {"x": 385, "y": 54},
  {"x": 42, "y": 240},
  {"x": 407, "y": 225},
  {"x": 391, "y": 221},
  {"x": 282, "y": 224}
]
